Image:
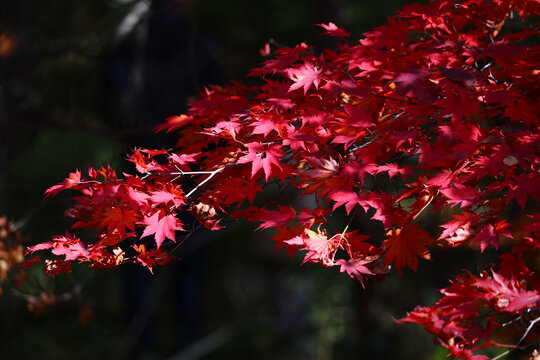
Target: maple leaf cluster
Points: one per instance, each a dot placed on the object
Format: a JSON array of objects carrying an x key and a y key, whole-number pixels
[{"x": 434, "y": 112}]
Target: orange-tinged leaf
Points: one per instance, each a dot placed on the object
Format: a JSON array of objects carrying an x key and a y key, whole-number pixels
[{"x": 119, "y": 218}]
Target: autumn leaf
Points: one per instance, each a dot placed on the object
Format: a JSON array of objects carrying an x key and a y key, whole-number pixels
[
  {"x": 181, "y": 160},
  {"x": 319, "y": 247},
  {"x": 73, "y": 179},
  {"x": 262, "y": 157},
  {"x": 276, "y": 218},
  {"x": 359, "y": 117},
  {"x": 356, "y": 268},
  {"x": 72, "y": 250},
  {"x": 459, "y": 76},
  {"x": 161, "y": 226},
  {"x": 460, "y": 229},
  {"x": 505, "y": 295},
  {"x": 57, "y": 266},
  {"x": 405, "y": 245},
  {"x": 333, "y": 30},
  {"x": 150, "y": 258},
  {"x": 460, "y": 194},
  {"x": 175, "y": 122},
  {"x": 207, "y": 215},
  {"x": 304, "y": 76},
  {"x": 281, "y": 104},
  {"x": 266, "y": 124},
  {"x": 168, "y": 194},
  {"x": 348, "y": 198},
  {"x": 525, "y": 185},
  {"x": 67, "y": 245},
  {"x": 490, "y": 233},
  {"x": 119, "y": 218}
]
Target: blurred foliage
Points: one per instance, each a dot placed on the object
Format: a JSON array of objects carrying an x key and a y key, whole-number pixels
[{"x": 230, "y": 295}]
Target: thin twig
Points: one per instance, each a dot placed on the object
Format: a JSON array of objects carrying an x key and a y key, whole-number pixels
[
  {"x": 529, "y": 328},
  {"x": 501, "y": 355},
  {"x": 212, "y": 174}
]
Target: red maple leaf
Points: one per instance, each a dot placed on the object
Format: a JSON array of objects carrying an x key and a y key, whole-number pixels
[
  {"x": 151, "y": 257},
  {"x": 333, "y": 30},
  {"x": 175, "y": 122},
  {"x": 289, "y": 236},
  {"x": 461, "y": 195},
  {"x": 348, "y": 198},
  {"x": 169, "y": 193},
  {"x": 386, "y": 212},
  {"x": 405, "y": 245},
  {"x": 359, "y": 117},
  {"x": 119, "y": 218},
  {"x": 162, "y": 226},
  {"x": 266, "y": 124},
  {"x": 182, "y": 160},
  {"x": 525, "y": 184},
  {"x": 505, "y": 295},
  {"x": 56, "y": 266},
  {"x": 282, "y": 104},
  {"x": 277, "y": 218},
  {"x": 513, "y": 266},
  {"x": 355, "y": 268},
  {"x": 489, "y": 235},
  {"x": 262, "y": 157},
  {"x": 319, "y": 247},
  {"x": 304, "y": 76},
  {"x": 459, "y": 230},
  {"x": 73, "y": 179},
  {"x": 69, "y": 246}
]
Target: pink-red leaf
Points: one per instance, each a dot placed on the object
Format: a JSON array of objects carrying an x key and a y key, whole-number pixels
[
  {"x": 161, "y": 226},
  {"x": 305, "y": 76}
]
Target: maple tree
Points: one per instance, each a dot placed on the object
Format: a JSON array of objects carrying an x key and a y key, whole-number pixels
[{"x": 432, "y": 113}]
